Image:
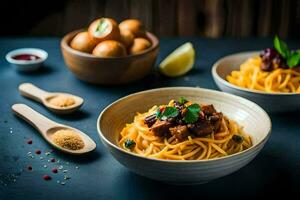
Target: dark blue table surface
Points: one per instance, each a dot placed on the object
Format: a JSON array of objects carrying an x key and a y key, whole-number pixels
[{"x": 275, "y": 170}]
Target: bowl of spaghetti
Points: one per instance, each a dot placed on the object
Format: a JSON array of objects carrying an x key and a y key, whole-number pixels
[
  {"x": 266, "y": 77},
  {"x": 183, "y": 135}
]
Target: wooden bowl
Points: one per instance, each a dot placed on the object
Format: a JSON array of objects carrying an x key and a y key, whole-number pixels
[
  {"x": 109, "y": 71},
  {"x": 114, "y": 117}
]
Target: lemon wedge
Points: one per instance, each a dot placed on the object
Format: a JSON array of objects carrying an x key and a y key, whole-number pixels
[{"x": 179, "y": 62}]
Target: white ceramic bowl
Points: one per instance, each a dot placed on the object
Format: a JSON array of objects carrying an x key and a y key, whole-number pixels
[
  {"x": 271, "y": 102},
  {"x": 26, "y": 65},
  {"x": 113, "y": 118}
]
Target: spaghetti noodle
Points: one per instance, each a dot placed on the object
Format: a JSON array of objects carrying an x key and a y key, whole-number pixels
[
  {"x": 230, "y": 138},
  {"x": 251, "y": 76}
]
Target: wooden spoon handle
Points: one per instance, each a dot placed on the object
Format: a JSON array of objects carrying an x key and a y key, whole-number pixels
[
  {"x": 34, "y": 118},
  {"x": 31, "y": 91}
]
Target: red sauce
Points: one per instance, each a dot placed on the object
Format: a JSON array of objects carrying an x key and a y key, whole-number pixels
[
  {"x": 26, "y": 57},
  {"x": 47, "y": 177},
  {"x": 38, "y": 152}
]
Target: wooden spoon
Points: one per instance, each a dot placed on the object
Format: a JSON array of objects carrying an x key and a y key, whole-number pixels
[
  {"x": 31, "y": 91},
  {"x": 48, "y": 127}
]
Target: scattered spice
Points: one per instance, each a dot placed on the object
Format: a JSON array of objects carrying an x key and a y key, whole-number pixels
[
  {"x": 52, "y": 160},
  {"x": 62, "y": 101},
  {"x": 68, "y": 139},
  {"x": 29, "y": 168},
  {"x": 54, "y": 170},
  {"x": 47, "y": 177},
  {"x": 29, "y": 141},
  {"x": 38, "y": 152}
]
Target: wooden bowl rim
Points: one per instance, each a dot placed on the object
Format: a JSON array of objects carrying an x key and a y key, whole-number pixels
[{"x": 68, "y": 37}]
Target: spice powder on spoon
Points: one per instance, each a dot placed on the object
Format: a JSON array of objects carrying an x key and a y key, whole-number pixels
[
  {"x": 68, "y": 139},
  {"x": 62, "y": 101}
]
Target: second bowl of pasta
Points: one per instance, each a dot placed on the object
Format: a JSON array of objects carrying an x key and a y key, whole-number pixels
[
  {"x": 183, "y": 135},
  {"x": 276, "y": 90}
]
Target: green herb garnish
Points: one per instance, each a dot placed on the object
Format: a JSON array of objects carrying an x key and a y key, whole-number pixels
[
  {"x": 102, "y": 27},
  {"x": 237, "y": 138},
  {"x": 182, "y": 100},
  {"x": 129, "y": 144},
  {"x": 192, "y": 114},
  {"x": 167, "y": 113},
  {"x": 292, "y": 57}
]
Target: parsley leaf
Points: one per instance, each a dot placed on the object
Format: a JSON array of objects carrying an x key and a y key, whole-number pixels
[
  {"x": 190, "y": 117},
  {"x": 129, "y": 144},
  {"x": 170, "y": 112},
  {"x": 167, "y": 113},
  {"x": 281, "y": 47},
  {"x": 192, "y": 114},
  {"x": 194, "y": 108},
  {"x": 182, "y": 100},
  {"x": 294, "y": 59},
  {"x": 158, "y": 113}
]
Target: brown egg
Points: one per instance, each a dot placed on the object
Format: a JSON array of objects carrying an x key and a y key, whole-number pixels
[
  {"x": 82, "y": 42},
  {"x": 126, "y": 38},
  {"x": 139, "y": 45},
  {"x": 109, "y": 48},
  {"x": 104, "y": 29},
  {"x": 134, "y": 26}
]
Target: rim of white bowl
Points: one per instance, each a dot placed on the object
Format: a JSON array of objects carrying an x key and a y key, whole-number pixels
[
  {"x": 240, "y": 99},
  {"x": 35, "y": 51},
  {"x": 224, "y": 82}
]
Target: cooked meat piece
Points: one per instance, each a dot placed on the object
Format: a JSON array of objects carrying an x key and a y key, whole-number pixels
[
  {"x": 201, "y": 128},
  {"x": 150, "y": 120},
  {"x": 161, "y": 128},
  {"x": 180, "y": 132},
  {"x": 216, "y": 120},
  {"x": 208, "y": 109}
]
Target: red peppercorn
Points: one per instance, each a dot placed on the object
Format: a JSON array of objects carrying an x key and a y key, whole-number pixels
[
  {"x": 29, "y": 141},
  {"x": 47, "y": 177},
  {"x": 29, "y": 168},
  {"x": 38, "y": 152},
  {"x": 54, "y": 170},
  {"x": 52, "y": 160}
]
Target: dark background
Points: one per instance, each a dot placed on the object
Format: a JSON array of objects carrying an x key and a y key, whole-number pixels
[{"x": 209, "y": 18}]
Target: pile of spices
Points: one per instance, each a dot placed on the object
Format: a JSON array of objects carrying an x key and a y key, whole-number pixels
[
  {"x": 68, "y": 139},
  {"x": 62, "y": 101}
]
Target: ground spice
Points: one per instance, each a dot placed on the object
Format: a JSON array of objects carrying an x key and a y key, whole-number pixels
[
  {"x": 29, "y": 141},
  {"x": 52, "y": 160},
  {"x": 29, "y": 168},
  {"x": 54, "y": 170},
  {"x": 62, "y": 101},
  {"x": 68, "y": 139}
]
